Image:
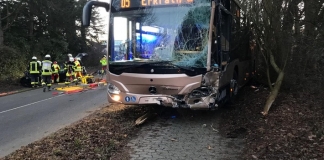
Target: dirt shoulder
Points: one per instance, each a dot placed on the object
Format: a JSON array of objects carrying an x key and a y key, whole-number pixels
[
  {"x": 294, "y": 128},
  {"x": 10, "y": 87}
]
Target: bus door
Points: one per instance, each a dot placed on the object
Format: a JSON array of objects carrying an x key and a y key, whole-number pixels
[{"x": 221, "y": 36}]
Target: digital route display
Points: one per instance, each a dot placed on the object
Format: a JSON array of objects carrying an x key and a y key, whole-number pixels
[{"x": 125, "y": 4}]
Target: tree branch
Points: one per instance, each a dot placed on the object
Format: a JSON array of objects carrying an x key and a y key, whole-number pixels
[
  {"x": 273, "y": 63},
  {"x": 20, "y": 4}
]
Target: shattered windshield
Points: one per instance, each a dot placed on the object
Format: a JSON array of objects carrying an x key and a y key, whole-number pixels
[{"x": 178, "y": 34}]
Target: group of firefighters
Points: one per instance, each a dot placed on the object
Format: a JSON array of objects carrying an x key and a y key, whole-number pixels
[{"x": 47, "y": 72}]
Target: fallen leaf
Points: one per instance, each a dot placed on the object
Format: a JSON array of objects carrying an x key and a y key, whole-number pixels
[{"x": 254, "y": 87}]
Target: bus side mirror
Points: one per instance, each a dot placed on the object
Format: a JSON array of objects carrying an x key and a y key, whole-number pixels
[{"x": 86, "y": 14}]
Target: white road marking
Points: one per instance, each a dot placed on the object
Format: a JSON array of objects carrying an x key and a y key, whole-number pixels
[{"x": 29, "y": 104}]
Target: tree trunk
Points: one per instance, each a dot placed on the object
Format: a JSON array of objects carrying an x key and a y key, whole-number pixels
[
  {"x": 274, "y": 93},
  {"x": 1, "y": 32},
  {"x": 1, "y": 36}
]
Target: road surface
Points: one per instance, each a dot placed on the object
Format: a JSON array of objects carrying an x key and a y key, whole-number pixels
[{"x": 29, "y": 116}]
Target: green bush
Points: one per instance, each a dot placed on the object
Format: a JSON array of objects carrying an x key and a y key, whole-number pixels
[{"x": 13, "y": 64}]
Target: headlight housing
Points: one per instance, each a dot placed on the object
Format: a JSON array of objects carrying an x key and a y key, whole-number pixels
[{"x": 112, "y": 89}]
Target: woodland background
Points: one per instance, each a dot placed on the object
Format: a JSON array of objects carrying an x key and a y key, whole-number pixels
[
  {"x": 288, "y": 38},
  {"x": 39, "y": 27}
]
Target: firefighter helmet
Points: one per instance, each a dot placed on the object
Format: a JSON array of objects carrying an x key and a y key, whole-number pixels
[
  {"x": 47, "y": 56},
  {"x": 34, "y": 58},
  {"x": 69, "y": 55}
]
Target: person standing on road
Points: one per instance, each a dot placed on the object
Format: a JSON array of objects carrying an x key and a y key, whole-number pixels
[
  {"x": 33, "y": 69},
  {"x": 103, "y": 62},
  {"x": 77, "y": 68},
  {"x": 68, "y": 59},
  {"x": 69, "y": 68},
  {"x": 47, "y": 73},
  {"x": 55, "y": 74}
]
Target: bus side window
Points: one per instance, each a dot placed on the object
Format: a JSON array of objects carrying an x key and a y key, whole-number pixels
[
  {"x": 214, "y": 55},
  {"x": 225, "y": 31}
]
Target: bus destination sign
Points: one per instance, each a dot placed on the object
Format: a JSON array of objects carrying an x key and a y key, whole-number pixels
[{"x": 151, "y": 3}]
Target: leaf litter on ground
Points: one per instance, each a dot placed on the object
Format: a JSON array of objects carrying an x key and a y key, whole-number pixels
[{"x": 294, "y": 129}]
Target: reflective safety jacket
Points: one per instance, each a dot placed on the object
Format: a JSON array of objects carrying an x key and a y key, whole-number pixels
[
  {"x": 55, "y": 68},
  {"x": 77, "y": 66},
  {"x": 46, "y": 68},
  {"x": 69, "y": 67},
  {"x": 103, "y": 61},
  {"x": 33, "y": 67}
]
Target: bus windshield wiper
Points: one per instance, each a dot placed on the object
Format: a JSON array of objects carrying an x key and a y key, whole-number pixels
[{"x": 156, "y": 62}]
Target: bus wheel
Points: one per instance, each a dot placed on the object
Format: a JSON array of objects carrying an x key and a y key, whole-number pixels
[{"x": 233, "y": 88}]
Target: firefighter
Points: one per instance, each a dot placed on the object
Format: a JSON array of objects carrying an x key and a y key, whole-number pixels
[
  {"x": 68, "y": 59},
  {"x": 69, "y": 67},
  {"x": 33, "y": 69},
  {"x": 103, "y": 62},
  {"x": 40, "y": 73},
  {"x": 47, "y": 73},
  {"x": 77, "y": 69},
  {"x": 55, "y": 74}
]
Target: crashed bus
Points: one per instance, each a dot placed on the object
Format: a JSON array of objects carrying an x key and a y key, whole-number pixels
[{"x": 176, "y": 53}]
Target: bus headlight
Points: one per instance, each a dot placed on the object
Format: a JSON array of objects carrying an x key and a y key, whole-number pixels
[
  {"x": 112, "y": 89},
  {"x": 116, "y": 97}
]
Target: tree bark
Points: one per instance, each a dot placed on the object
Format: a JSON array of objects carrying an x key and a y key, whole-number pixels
[
  {"x": 1, "y": 32},
  {"x": 273, "y": 94}
]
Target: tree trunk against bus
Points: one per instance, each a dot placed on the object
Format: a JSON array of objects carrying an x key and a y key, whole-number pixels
[{"x": 272, "y": 26}]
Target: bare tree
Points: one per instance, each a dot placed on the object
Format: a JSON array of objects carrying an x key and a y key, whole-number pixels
[
  {"x": 10, "y": 18},
  {"x": 272, "y": 23}
]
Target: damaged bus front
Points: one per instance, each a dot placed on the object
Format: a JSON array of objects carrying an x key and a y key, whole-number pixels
[{"x": 173, "y": 53}]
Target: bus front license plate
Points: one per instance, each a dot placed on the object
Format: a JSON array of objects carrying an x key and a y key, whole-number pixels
[{"x": 148, "y": 100}]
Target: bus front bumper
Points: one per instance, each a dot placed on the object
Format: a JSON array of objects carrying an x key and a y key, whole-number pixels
[
  {"x": 164, "y": 100},
  {"x": 135, "y": 99}
]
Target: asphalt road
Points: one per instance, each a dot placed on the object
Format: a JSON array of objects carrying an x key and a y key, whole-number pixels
[{"x": 29, "y": 116}]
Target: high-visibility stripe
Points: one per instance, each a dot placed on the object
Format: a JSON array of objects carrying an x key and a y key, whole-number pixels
[{"x": 33, "y": 67}]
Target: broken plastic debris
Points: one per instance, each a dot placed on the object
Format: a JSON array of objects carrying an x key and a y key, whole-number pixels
[
  {"x": 213, "y": 128},
  {"x": 172, "y": 139}
]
